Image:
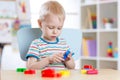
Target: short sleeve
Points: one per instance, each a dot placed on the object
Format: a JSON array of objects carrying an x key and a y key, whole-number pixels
[{"x": 33, "y": 50}]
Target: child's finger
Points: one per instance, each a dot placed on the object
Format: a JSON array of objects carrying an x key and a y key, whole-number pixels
[
  {"x": 58, "y": 59},
  {"x": 60, "y": 54},
  {"x": 70, "y": 55}
]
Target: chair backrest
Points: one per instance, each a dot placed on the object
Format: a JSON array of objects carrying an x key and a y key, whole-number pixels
[{"x": 27, "y": 35}]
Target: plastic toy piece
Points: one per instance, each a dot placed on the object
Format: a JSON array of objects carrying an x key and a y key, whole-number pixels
[
  {"x": 29, "y": 72},
  {"x": 20, "y": 69},
  {"x": 88, "y": 67},
  {"x": 110, "y": 50},
  {"x": 83, "y": 71},
  {"x": 66, "y": 54},
  {"x": 115, "y": 53},
  {"x": 58, "y": 75},
  {"x": 50, "y": 73},
  {"x": 65, "y": 73},
  {"x": 92, "y": 71}
]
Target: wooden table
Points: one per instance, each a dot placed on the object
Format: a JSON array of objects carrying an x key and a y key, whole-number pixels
[{"x": 104, "y": 74}]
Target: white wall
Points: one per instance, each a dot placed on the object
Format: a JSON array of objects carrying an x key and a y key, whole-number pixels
[{"x": 72, "y": 8}]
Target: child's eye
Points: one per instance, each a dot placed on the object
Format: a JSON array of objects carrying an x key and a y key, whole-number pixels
[
  {"x": 51, "y": 27},
  {"x": 59, "y": 28}
]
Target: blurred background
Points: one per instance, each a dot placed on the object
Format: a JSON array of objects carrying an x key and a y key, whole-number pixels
[
  {"x": 97, "y": 19},
  {"x": 18, "y": 14}
]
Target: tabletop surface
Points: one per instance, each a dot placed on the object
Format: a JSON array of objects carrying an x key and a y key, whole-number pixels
[{"x": 104, "y": 74}]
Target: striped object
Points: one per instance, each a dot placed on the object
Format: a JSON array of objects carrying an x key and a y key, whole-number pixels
[{"x": 41, "y": 48}]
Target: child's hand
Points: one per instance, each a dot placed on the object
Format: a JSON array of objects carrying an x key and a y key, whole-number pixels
[
  {"x": 56, "y": 58},
  {"x": 69, "y": 56}
]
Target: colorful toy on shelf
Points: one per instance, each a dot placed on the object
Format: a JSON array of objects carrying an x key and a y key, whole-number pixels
[
  {"x": 29, "y": 72},
  {"x": 88, "y": 69},
  {"x": 109, "y": 50},
  {"x": 94, "y": 20},
  {"x": 20, "y": 69},
  {"x": 50, "y": 73},
  {"x": 108, "y": 22},
  {"x": 115, "y": 53}
]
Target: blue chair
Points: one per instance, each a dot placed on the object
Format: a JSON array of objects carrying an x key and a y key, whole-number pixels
[{"x": 72, "y": 36}]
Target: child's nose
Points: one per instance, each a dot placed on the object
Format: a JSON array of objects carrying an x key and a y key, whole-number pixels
[{"x": 55, "y": 31}]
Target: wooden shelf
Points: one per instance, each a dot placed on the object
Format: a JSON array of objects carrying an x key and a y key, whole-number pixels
[
  {"x": 102, "y": 35},
  {"x": 90, "y": 58},
  {"x": 107, "y": 1},
  {"x": 108, "y": 59}
]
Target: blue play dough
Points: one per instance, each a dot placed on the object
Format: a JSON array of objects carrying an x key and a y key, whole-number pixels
[{"x": 66, "y": 54}]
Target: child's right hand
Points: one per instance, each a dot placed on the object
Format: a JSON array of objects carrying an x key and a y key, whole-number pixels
[{"x": 56, "y": 58}]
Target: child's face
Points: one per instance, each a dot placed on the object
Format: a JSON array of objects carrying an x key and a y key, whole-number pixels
[{"x": 51, "y": 27}]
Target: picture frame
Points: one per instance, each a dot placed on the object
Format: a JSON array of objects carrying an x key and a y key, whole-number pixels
[
  {"x": 8, "y": 9},
  {"x": 5, "y": 30},
  {"x": 23, "y": 9}
]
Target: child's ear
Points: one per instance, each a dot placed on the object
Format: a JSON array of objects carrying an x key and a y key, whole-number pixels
[{"x": 39, "y": 23}]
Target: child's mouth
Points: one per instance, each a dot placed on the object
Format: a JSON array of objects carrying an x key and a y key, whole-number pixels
[{"x": 53, "y": 36}]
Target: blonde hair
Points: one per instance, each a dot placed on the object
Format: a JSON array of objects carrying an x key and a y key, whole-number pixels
[{"x": 52, "y": 7}]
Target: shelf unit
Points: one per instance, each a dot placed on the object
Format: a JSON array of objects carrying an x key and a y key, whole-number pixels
[{"x": 102, "y": 35}]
